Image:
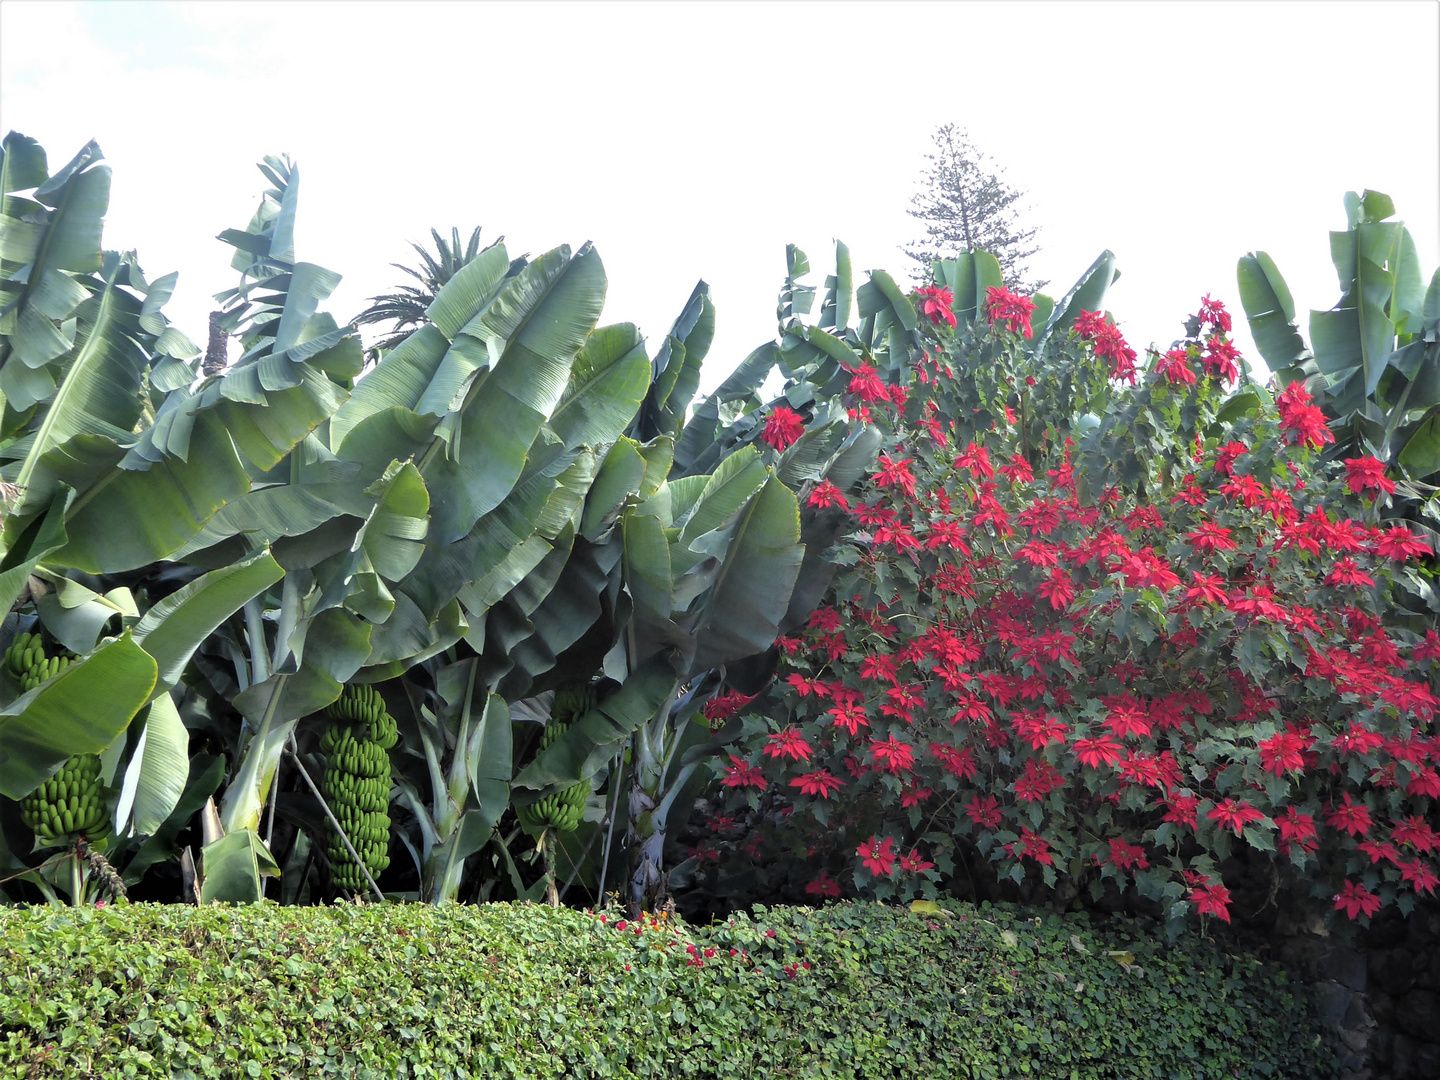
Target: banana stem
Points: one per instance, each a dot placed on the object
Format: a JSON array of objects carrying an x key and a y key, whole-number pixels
[
  {"x": 547, "y": 847},
  {"x": 77, "y": 881}
]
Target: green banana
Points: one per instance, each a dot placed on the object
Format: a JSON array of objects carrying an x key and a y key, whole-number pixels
[{"x": 356, "y": 783}]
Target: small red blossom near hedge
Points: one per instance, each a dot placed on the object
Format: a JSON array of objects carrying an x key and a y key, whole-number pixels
[
  {"x": 783, "y": 427},
  {"x": 1211, "y": 900},
  {"x": 878, "y": 855}
]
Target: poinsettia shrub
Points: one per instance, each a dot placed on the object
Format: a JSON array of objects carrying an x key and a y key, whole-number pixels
[{"x": 1101, "y": 622}]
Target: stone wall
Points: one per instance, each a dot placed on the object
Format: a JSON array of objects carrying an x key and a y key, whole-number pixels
[{"x": 1377, "y": 988}]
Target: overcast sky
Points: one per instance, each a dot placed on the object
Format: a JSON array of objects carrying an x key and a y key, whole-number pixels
[{"x": 694, "y": 140}]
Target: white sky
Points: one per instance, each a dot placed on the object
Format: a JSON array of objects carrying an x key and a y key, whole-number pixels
[{"x": 694, "y": 140}]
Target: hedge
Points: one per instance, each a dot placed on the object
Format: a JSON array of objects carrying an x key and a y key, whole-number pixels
[{"x": 850, "y": 990}]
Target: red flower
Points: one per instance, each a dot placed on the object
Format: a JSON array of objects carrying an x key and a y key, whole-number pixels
[
  {"x": 851, "y": 716},
  {"x": 783, "y": 427},
  {"x": 818, "y": 783},
  {"x": 1353, "y": 818},
  {"x": 1207, "y": 590},
  {"x": 892, "y": 755},
  {"x": 1297, "y": 829},
  {"x": 787, "y": 744},
  {"x": 984, "y": 811},
  {"x": 1421, "y": 877},
  {"x": 824, "y": 885},
  {"x": 1125, "y": 855},
  {"x": 740, "y": 774},
  {"x": 1415, "y": 832},
  {"x": 959, "y": 761},
  {"x": 1058, "y": 588},
  {"x": 1031, "y": 845},
  {"x": 1398, "y": 542},
  {"x": 1363, "y": 473},
  {"x": 878, "y": 855},
  {"x": 1175, "y": 366},
  {"x": 1304, "y": 421},
  {"x": 826, "y": 494},
  {"x": 1347, "y": 573},
  {"x": 1220, "y": 357},
  {"x": 1211, "y": 537},
  {"x": 1283, "y": 753},
  {"x": 1354, "y": 899},
  {"x": 865, "y": 385},
  {"x": 1232, "y": 814},
  {"x": 935, "y": 303},
  {"x": 895, "y": 474},
  {"x": 1102, "y": 750},
  {"x": 1012, "y": 309},
  {"x": 914, "y": 863},
  {"x": 1212, "y": 900},
  {"x": 1213, "y": 313}
]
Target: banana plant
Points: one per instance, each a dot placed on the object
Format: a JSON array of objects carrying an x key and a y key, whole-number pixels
[{"x": 1374, "y": 358}]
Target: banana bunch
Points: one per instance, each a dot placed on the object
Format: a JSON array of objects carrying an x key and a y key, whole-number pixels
[
  {"x": 572, "y": 702},
  {"x": 357, "y": 782},
  {"x": 563, "y": 810},
  {"x": 27, "y": 661},
  {"x": 70, "y": 803}
]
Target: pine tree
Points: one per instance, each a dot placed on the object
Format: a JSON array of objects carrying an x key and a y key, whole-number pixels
[{"x": 964, "y": 203}]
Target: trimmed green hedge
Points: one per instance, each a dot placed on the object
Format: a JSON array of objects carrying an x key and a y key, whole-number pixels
[{"x": 852, "y": 990}]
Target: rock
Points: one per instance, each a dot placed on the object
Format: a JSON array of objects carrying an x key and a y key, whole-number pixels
[
  {"x": 1332, "y": 1001},
  {"x": 1355, "y": 1039},
  {"x": 1356, "y": 1016},
  {"x": 1418, "y": 1014},
  {"x": 1427, "y": 1060},
  {"x": 1345, "y": 966},
  {"x": 1393, "y": 970},
  {"x": 1403, "y": 1060},
  {"x": 1382, "y": 1008}
]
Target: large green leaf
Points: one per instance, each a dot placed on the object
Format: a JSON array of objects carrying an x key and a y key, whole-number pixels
[
  {"x": 232, "y": 866},
  {"x": 742, "y": 612},
  {"x": 178, "y": 624},
  {"x": 610, "y": 376},
  {"x": 335, "y": 644},
  {"x": 591, "y": 741},
  {"x": 80, "y": 711},
  {"x": 38, "y": 539},
  {"x": 467, "y": 293},
  {"x": 839, "y": 292},
  {"x": 677, "y": 366},
  {"x": 401, "y": 379},
  {"x": 726, "y": 490},
  {"x": 99, "y": 394},
  {"x": 1270, "y": 311},
  {"x": 162, "y": 507},
  {"x": 159, "y": 767},
  {"x": 1087, "y": 294},
  {"x": 542, "y": 316},
  {"x": 620, "y": 475}
]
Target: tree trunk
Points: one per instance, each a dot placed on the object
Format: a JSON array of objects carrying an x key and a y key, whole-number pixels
[{"x": 215, "y": 352}]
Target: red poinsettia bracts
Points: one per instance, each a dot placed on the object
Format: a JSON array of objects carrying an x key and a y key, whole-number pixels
[{"x": 1049, "y": 653}]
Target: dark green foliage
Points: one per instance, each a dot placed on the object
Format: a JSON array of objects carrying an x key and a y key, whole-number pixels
[{"x": 500, "y": 990}]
